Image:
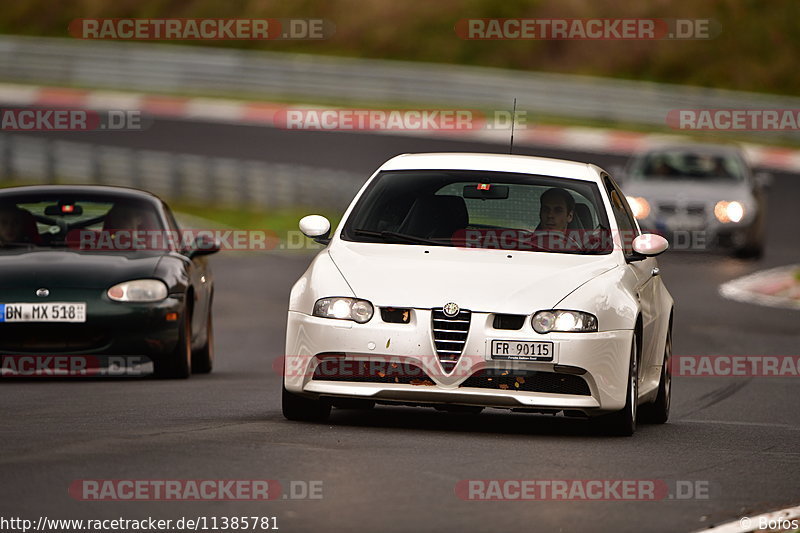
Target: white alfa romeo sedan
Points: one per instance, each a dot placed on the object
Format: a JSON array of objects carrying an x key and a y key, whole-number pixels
[{"x": 462, "y": 281}]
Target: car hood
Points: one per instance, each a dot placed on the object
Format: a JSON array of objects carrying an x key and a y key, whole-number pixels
[
  {"x": 687, "y": 191},
  {"x": 480, "y": 280},
  {"x": 68, "y": 269}
]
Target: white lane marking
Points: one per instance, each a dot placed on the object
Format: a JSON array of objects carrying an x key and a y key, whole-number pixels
[
  {"x": 732, "y": 423},
  {"x": 746, "y": 524},
  {"x": 741, "y": 289}
]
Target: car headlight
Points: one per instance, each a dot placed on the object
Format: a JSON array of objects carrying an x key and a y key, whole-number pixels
[
  {"x": 344, "y": 309},
  {"x": 639, "y": 206},
  {"x": 729, "y": 211},
  {"x": 138, "y": 290},
  {"x": 567, "y": 321}
]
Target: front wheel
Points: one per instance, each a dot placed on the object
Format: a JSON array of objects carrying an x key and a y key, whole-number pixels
[
  {"x": 203, "y": 358},
  {"x": 178, "y": 364},
  {"x": 623, "y": 422},
  {"x": 296, "y": 407},
  {"x": 658, "y": 411}
]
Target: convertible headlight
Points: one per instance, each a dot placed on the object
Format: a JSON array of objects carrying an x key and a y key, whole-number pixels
[
  {"x": 729, "y": 211},
  {"x": 139, "y": 290},
  {"x": 639, "y": 206},
  {"x": 567, "y": 321},
  {"x": 344, "y": 309}
]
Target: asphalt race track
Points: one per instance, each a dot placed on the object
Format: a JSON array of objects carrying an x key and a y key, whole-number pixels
[{"x": 396, "y": 468}]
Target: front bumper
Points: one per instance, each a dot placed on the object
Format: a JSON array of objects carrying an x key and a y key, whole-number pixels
[
  {"x": 111, "y": 328},
  {"x": 700, "y": 235},
  {"x": 600, "y": 359}
]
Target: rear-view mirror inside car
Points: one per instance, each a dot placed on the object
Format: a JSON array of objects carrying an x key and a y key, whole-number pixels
[
  {"x": 60, "y": 210},
  {"x": 486, "y": 191}
]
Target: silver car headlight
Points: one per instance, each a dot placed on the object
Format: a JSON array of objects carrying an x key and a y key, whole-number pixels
[
  {"x": 360, "y": 311},
  {"x": 563, "y": 320},
  {"x": 639, "y": 207},
  {"x": 729, "y": 211},
  {"x": 138, "y": 290}
]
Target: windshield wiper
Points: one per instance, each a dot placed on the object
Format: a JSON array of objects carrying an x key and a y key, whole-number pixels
[{"x": 400, "y": 236}]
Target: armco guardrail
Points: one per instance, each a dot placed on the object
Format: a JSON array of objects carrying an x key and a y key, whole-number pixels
[
  {"x": 204, "y": 70},
  {"x": 187, "y": 177}
]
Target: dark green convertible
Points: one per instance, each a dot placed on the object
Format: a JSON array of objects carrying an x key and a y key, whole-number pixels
[{"x": 92, "y": 274}]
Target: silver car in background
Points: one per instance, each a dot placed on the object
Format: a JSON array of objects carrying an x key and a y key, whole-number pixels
[{"x": 699, "y": 197}]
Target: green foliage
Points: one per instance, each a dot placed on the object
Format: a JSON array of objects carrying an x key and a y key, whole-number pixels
[{"x": 755, "y": 51}]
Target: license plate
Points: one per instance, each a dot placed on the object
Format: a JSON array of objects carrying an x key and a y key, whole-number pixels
[
  {"x": 522, "y": 350},
  {"x": 49, "y": 312}
]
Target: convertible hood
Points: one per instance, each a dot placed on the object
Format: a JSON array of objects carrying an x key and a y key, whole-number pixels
[
  {"x": 68, "y": 269},
  {"x": 476, "y": 279}
]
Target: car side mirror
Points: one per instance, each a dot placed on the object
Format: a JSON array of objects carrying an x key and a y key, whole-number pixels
[
  {"x": 763, "y": 180},
  {"x": 648, "y": 245},
  {"x": 204, "y": 245},
  {"x": 316, "y": 228}
]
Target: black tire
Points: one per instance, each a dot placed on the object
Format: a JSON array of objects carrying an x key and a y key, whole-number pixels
[
  {"x": 658, "y": 411},
  {"x": 623, "y": 422},
  {"x": 178, "y": 365},
  {"x": 755, "y": 251},
  {"x": 354, "y": 403},
  {"x": 203, "y": 357},
  {"x": 300, "y": 408}
]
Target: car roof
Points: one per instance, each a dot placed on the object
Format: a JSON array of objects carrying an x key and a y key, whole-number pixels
[
  {"x": 104, "y": 190},
  {"x": 522, "y": 164}
]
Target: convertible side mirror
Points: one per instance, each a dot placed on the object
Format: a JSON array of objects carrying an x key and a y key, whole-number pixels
[
  {"x": 316, "y": 228},
  {"x": 649, "y": 245},
  {"x": 204, "y": 245}
]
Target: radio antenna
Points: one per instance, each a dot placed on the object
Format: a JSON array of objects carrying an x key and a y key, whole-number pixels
[{"x": 513, "y": 121}]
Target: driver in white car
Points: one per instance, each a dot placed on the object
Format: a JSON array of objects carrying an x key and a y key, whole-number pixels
[{"x": 557, "y": 210}]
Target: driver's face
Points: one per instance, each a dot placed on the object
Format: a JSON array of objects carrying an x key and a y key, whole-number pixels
[
  {"x": 9, "y": 226},
  {"x": 554, "y": 214}
]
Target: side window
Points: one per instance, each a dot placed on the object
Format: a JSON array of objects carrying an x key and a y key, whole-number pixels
[
  {"x": 173, "y": 224},
  {"x": 622, "y": 214}
]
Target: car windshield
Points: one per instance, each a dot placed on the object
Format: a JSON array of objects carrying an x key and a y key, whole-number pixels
[
  {"x": 67, "y": 220},
  {"x": 687, "y": 165},
  {"x": 481, "y": 209}
]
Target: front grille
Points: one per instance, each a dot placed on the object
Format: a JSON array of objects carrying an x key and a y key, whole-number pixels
[
  {"x": 371, "y": 372},
  {"x": 396, "y": 315},
  {"x": 667, "y": 209},
  {"x": 36, "y": 338},
  {"x": 528, "y": 381},
  {"x": 508, "y": 321},
  {"x": 696, "y": 209},
  {"x": 450, "y": 336}
]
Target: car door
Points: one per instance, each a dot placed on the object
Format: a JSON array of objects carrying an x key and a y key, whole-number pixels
[{"x": 645, "y": 270}]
